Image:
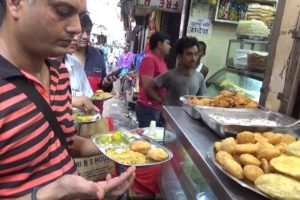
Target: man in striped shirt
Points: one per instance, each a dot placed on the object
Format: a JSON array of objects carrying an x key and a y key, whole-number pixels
[{"x": 34, "y": 164}]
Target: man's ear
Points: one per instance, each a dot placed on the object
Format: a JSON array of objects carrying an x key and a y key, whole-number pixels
[
  {"x": 160, "y": 44},
  {"x": 13, "y": 6}
]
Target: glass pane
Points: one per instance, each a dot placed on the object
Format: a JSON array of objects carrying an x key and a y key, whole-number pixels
[
  {"x": 181, "y": 179},
  {"x": 234, "y": 82}
]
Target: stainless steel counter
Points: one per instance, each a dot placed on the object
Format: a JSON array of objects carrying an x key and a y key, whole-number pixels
[{"x": 197, "y": 139}]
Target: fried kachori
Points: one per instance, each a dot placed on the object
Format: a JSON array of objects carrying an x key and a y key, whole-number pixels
[
  {"x": 248, "y": 159},
  {"x": 246, "y": 148},
  {"x": 141, "y": 147},
  {"x": 268, "y": 153},
  {"x": 217, "y": 146},
  {"x": 157, "y": 154},
  {"x": 278, "y": 186},
  {"x": 222, "y": 156},
  {"x": 265, "y": 165},
  {"x": 228, "y": 145},
  {"x": 273, "y": 138},
  {"x": 245, "y": 137},
  {"x": 252, "y": 172},
  {"x": 234, "y": 168},
  {"x": 288, "y": 139},
  {"x": 288, "y": 165}
]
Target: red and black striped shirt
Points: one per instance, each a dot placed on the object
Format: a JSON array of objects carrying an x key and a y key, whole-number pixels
[{"x": 30, "y": 153}]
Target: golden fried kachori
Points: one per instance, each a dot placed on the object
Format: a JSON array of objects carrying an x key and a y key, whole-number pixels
[
  {"x": 288, "y": 139},
  {"x": 268, "y": 153},
  {"x": 221, "y": 156},
  {"x": 246, "y": 148},
  {"x": 245, "y": 137},
  {"x": 228, "y": 145},
  {"x": 234, "y": 168},
  {"x": 141, "y": 147},
  {"x": 273, "y": 138},
  {"x": 265, "y": 165},
  {"x": 252, "y": 172},
  {"x": 157, "y": 154},
  {"x": 217, "y": 146},
  {"x": 248, "y": 159}
]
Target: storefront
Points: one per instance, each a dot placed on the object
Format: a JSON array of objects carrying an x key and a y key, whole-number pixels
[
  {"x": 193, "y": 174},
  {"x": 216, "y": 24}
]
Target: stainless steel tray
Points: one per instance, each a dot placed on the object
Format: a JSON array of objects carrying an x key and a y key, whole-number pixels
[
  {"x": 229, "y": 122},
  {"x": 244, "y": 183},
  {"x": 190, "y": 109},
  {"x": 94, "y": 118},
  {"x": 195, "y": 111},
  {"x": 131, "y": 138}
]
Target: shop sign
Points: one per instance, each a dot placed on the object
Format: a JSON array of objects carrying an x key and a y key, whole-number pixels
[
  {"x": 165, "y": 5},
  {"x": 200, "y": 26}
]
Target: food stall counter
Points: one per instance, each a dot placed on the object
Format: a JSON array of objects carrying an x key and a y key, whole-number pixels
[{"x": 197, "y": 140}]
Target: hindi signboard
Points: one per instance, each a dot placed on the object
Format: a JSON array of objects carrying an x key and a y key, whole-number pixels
[{"x": 198, "y": 27}]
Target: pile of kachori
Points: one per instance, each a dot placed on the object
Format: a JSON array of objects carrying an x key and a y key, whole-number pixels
[
  {"x": 270, "y": 161},
  {"x": 225, "y": 99},
  {"x": 156, "y": 154}
]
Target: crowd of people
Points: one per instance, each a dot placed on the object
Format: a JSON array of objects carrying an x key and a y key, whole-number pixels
[{"x": 63, "y": 69}]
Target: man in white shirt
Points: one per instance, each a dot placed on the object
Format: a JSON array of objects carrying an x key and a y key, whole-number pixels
[{"x": 80, "y": 86}]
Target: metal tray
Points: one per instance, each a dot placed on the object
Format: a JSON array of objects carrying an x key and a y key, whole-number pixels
[
  {"x": 162, "y": 136},
  {"x": 190, "y": 109},
  {"x": 229, "y": 122},
  {"x": 133, "y": 137},
  {"x": 101, "y": 99},
  {"x": 94, "y": 118},
  {"x": 195, "y": 111},
  {"x": 244, "y": 183}
]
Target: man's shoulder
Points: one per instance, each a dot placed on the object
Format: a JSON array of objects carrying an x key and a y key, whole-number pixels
[
  {"x": 72, "y": 60},
  {"x": 93, "y": 50},
  {"x": 198, "y": 76},
  {"x": 56, "y": 64}
]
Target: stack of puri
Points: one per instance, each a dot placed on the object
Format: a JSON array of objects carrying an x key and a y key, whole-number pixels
[{"x": 270, "y": 161}]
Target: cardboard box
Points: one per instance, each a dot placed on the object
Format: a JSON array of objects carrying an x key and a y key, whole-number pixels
[{"x": 95, "y": 168}]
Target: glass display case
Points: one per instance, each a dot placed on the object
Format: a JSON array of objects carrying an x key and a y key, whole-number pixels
[
  {"x": 246, "y": 45},
  {"x": 234, "y": 80},
  {"x": 181, "y": 179}
]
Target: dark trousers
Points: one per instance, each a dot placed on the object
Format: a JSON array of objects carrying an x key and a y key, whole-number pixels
[{"x": 145, "y": 115}]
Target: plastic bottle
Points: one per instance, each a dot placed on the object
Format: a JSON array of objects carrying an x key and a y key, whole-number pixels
[{"x": 152, "y": 129}]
